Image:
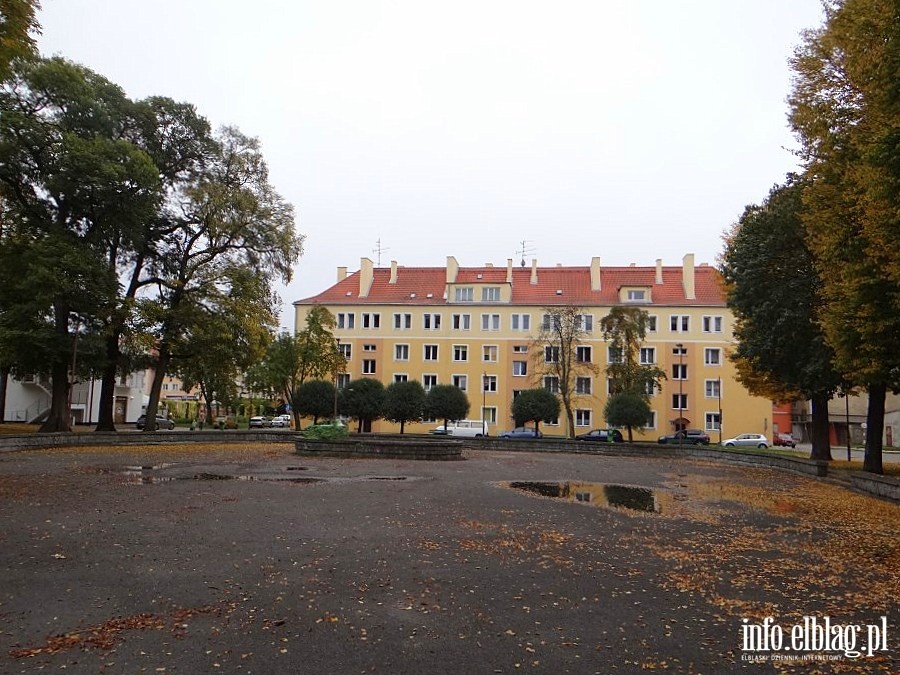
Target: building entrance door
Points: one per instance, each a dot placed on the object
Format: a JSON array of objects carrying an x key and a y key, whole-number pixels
[{"x": 119, "y": 410}]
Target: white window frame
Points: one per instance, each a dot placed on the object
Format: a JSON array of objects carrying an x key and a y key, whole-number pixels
[
  {"x": 712, "y": 388},
  {"x": 489, "y": 414},
  {"x": 712, "y": 323},
  {"x": 430, "y": 348},
  {"x": 487, "y": 351},
  {"x": 397, "y": 352},
  {"x": 712, "y": 421},
  {"x": 464, "y": 294},
  {"x": 371, "y": 320},
  {"x": 345, "y": 320},
  {"x": 523, "y": 368},
  {"x": 651, "y": 423},
  {"x": 636, "y": 295},
  {"x": 401, "y": 377},
  {"x": 582, "y": 417},
  {"x": 460, "y": 381},
  {"x": 490, "y": 294},
  {"x": 580, "y": 351},
  {"x": 462, "y": 350},
  {"x": 402, "y": 321},
  {"x": 579, "y": 385},
  {"x": 684, "y": 400},
  {"x": 462, "y": 322},
  {"x": 648, "y": 351},
  {"x": 551, "y": 354},
  {"x": 425, "y": 384},
  {"x": 585, "y": 322},
  {"x": 490, "y": 322},
  {"x": 520, "y": 322},
  {"x": 551, "y": 383},
  {"x": 652, "y": 323},
  {"x": 680, "y": 323},
  {"x": 368, "y": 369},
  {"x": 369, "y": 348},
  {"x": 489, "y": 384},
  {"x": 707, "y": 354},
  {"x": 346, "y": 350},
  {"x": 431, "y": 321},
  {"x": 614, "y": 357},
  {"x": 679, "y": 371}
]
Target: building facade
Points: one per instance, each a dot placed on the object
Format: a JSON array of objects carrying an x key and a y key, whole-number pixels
[{"x": 475, "y": 327}]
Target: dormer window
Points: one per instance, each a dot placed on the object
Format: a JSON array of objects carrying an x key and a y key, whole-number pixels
[
  {"x": 634, "y": 295},
  {"x": 490, "y": 294},
  {"x": 464, "y": 294}
]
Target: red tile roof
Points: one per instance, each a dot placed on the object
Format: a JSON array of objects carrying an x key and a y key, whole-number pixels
[{"x": 427, "y": 286}]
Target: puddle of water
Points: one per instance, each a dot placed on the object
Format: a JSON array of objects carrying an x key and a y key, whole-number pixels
[
  {"x": 386, "y": 478},
  {"x": 601, "y": 494}
]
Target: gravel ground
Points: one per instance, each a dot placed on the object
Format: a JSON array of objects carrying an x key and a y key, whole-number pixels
[{"x": 254, "y": 560}]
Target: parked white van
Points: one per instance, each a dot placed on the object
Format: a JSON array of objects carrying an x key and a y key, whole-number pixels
[{"x": 469, "y": 428}]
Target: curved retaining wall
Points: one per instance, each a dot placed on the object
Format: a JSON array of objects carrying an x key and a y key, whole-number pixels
[
  {"x": 383, "y": 447},
  {"x": 68, "y": 440}
]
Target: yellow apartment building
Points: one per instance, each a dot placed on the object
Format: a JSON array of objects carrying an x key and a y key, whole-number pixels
[{"x": 475, "y": 327}]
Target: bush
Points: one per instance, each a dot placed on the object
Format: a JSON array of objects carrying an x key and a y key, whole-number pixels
[{"x": 325, "y": 432}]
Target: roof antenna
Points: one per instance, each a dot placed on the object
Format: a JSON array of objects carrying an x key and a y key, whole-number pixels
[
  {"x": 379, "y": 249},
  {"x": 526, "y": 249}
]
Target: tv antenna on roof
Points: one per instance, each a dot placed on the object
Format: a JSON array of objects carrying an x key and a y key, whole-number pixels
[
  {"x": 379, "y": 249},
  {"x": 526, "y": 249}
]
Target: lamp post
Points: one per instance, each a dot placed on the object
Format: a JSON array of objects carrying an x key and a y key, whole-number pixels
[
  {"x": 337, "y": 342},
  {"x": 720, "y": 411},
  {"x": 680, "y": 348},
  {"x": 484, "y": 382},
  {"x": 847, "y": 418}
]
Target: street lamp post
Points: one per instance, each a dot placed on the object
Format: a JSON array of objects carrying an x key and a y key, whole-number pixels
[
  {"x": 680, "y": 348},
  {"x": 484, "y": 382},
  {"x": 337, "y": 341},
  {"x": 720, "y": 411},
  {"x": 847, "y": 418}
]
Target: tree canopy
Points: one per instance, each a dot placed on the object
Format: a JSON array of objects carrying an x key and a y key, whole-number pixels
[
  {"x": 404, "y": 402},
  {"x": 363, "y": 399},
  {"x": 535, "y": 405},
  {"x": 446, "y": 402}
]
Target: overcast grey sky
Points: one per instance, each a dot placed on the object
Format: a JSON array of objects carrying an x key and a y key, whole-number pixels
[{"x": 629, "y": 130}]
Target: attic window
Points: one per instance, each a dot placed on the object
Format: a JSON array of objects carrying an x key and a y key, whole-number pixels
[
  {"x": 349, "y": 293},
  {"x": 412, "y": 295},
  {"x": 430, "y": 295},
  {"x": 480, "y": 275},
  {"x": 559, "y": 291}
]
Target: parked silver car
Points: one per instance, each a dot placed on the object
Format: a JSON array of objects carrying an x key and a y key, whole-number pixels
[{"x": 751, "y": 440}]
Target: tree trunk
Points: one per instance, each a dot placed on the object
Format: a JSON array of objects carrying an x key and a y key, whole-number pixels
[
  {"x": 821, "y": 441},
  {"x": 106, "y": 420},
  {"x": 401, "y": 426},
  {"x": 874, "y": 427},
  {"x": 4, "y": 381},
  {"x": 58, "y": 418},
  {"x": 159, "y": 374}
]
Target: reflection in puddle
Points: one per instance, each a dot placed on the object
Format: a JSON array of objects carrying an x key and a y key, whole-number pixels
[{"x": 625, "y": 496}]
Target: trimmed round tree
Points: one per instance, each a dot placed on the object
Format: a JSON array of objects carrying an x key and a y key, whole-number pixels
[
  {"x": 446, "y": 402},
  {"x": 404, "y": 402},
  {"x": 314, "y": 398},
  {"x": 535, "y": 405},
  {"x": 363, "y": 399},
  {"x": 627, "y": 409}
]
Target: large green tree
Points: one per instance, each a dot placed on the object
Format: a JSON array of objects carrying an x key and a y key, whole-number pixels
[
  {"x": 228, "y": 225},
  {"x": 555, "y": 354},
  {"x": 625, "y": 329},
  {"x": 404, "y": 402},
  {"x": 316, "y": 399},
  {"x": 774, "y": 290},
  {"x": 535, "y": 405},
  {"x": 446, "y": 402},
  {"x": 845, "y": 109},
  {"x": 67, "y": 179},
  {"x": 363, "y": 399}
]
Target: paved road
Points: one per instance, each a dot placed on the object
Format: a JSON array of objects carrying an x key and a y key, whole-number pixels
[{"x": 253, "y": 560}]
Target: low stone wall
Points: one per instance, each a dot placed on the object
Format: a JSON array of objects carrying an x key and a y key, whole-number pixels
[
  {"x": 381, "y": 447},
  {"x": 812, "y": 467},
  {"x": 882, "y": 486},
  {"x": 12, "y": 443}
]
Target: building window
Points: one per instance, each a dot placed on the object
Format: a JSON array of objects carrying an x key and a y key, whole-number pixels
[
  {"x": 489, "y": 414},
  {"x": 651, "y": 420},
  {"x": 346, "y": 320},
  {"x": 583, "y": 354},
  {"x": 401, "y": 352},
  {"x": 648, "y": 355},
  {"x": 345, "y": 351},
  {"x": 550, "y": 322},
  {"x": 431, "y": 353},
  {"x": 585, "y": 322},
  {"x": 712, "y": 356},
  {"x": 551, "y": 384},
  {"x": 521, "y": 322},
  {"x": 368, "y": 366},
  {"x": 712, "y": 324},
  {"x": 679, "y": 371},
  {"x": 713, "y": 421},
  {"x": 460, "y": 381},
  {"x": 343, "y": 380},
  {"x": 460, "y": 352},
  {"x": 368, "y": 348},
  {"x": 679, "y": 401},
  {"x": 429, "y": 381},
  {"x": 679, "y": 351},
  {"x": 489, "y": 353},
  {"x": 582, "y": 418},
  {"x": 713, "y": 388},
  {"x": 490, "y": 322},
  {"x": 679, "y": 323},
  {"x": 582, "y": 385},
  {"x": 651, "y": 388},
  {"x": 520, "y": 368},
  {"x": 466, "y": 294},
  {"x": 489, "y": 382},
  {"x": 401, "y": 377},
  {"x": 520, "y": 349},
  {"x": 614, "y": 355},
  {"x": 462, "y": 321},
  {"x": 651, "y": 323},
  {"x": 551, "y": 354},
  {"x": 490, "y": 294},
  {"x": 610, "y": 386},
  {"x": 371, "y": 320},
  {"x": 636, "y": 295},
  {"x": 431, "y": 321},
  {"x": 402, "y": 321},
  {"x": 553, "y": 423}
]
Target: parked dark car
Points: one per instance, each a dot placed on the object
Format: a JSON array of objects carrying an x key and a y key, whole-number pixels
[
  {"x": 601, "y": 436},
  {"x": 161, "y": 423},
  {"x": 522, "y": 433},
  {"x": 686, "y": 437},
  {"x": 784, "y": 440}
]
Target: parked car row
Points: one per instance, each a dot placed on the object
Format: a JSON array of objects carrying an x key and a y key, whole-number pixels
[
  {"x": 161, "y": 422},
  {"x": 261, "y": 422}
]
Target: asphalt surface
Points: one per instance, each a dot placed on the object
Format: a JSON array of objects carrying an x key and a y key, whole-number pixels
[{"x": 254, "y": 560}]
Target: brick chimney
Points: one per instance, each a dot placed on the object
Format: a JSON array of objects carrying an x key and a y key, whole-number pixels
[
  {"x": 393, "y": 279},
  {"x": 366, "y": 277},
  {"x": 687, "y": 277},
  {"x": 595, "y": 274},
  {"x": 534, "y": 271}
]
